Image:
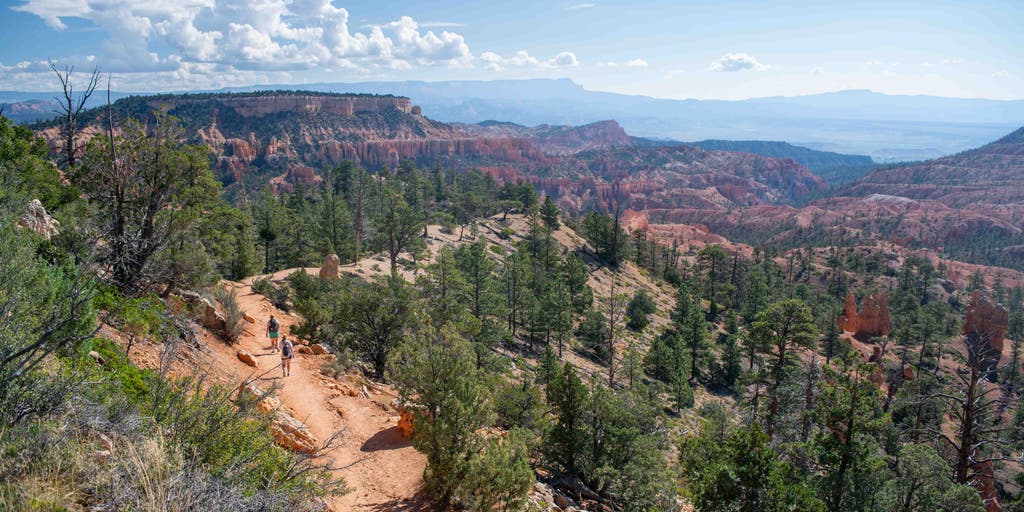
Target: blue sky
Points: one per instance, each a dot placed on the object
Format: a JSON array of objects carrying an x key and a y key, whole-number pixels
[{"x": 674, "y": 49}]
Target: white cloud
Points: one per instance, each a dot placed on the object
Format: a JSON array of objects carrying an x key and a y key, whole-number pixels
[
  {"x": 737, "y": 62},
  {"x": 271, "y": 35},
  {"x": 634, "y": 63},
  {"x": 441, "y": 24},
  {"x": 883, "y": 64},
  {"x": 1002, "y": 73},
  {"x": 564, "y": 59},
  {"x": 522, "y": 59},
  {"x": 580, "y": 7},
  {"x": 817, "y": 71}
]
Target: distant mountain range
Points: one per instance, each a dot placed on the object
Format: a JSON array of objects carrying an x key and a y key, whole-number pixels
[{"x": 885, "y": 127}]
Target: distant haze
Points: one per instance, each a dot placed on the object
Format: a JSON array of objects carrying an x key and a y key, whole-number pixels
[{"x": 885, "y": 127}]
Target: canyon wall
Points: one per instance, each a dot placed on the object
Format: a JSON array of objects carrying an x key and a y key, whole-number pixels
[{"x": 261, "y": 105}]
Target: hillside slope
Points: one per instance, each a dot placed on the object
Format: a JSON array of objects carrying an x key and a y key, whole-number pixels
[
  {"x": 988, "y": 175},
  {"x": 835, "y": 168},
  {"x": 382, "y": 468}
]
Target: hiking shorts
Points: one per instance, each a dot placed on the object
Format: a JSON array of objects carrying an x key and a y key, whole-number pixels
[{"x": 273, "y": 334}]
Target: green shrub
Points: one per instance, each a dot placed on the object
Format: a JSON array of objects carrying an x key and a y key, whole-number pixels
[
  {"x": 128, "y": 379},
  {"x": 640, "y": 306},
  {"x": 262, "y": 286},
  {"x": 233, "y": 314},
  {"x": 279, "y": 296}
]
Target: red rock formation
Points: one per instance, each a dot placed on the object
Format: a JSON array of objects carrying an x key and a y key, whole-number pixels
[
  {"x": 872, "y": 319},
  {"x": 329, "y": 270},
  {"x": 985, "y": 483},
  {"x": 848, "y": 320},
  {"x": 984, "y": 330}
]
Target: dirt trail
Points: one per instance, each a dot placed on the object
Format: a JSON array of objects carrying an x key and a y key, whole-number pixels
[{"x": 383, "y": 470}]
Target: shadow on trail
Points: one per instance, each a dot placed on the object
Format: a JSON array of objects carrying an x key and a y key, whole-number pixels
[
  {"x": 418, "y": 503},
  {"x": 387, "y": 439}
]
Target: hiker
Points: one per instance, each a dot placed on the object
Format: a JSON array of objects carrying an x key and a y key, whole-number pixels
[
  {"x": 273, "y": 329},
  {"x": 286, "y": 356}
]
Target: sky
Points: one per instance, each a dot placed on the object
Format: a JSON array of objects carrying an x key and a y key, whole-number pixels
[{"x": 671, "y": 49}]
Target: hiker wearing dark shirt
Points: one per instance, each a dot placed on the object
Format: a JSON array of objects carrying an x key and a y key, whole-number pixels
[
  {"x": 273, "y": 331},
  {"x": 287, "y": 352}
]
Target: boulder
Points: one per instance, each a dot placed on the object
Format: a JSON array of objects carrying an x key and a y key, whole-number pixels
[
  {"x": 937, "y": 293},
  {"x": 330, "y": 269},
  {"x": 303, "y": 349},
  {"x": 206, "y": 312},
  {"x": 318, "y": 349},
  {"x": 97, "y": 357},
  {"x": 213, "y": 319},
  {"x": 101, "y": 456},
  {"x": 248, "y": 318},
  {"x": 291, "y": 433},
  {"x": 876, "y": 355},
  {"x": 985, "y": 330},
  {"x": 563, "y": 502},
  {"x": 38, "y": 220},
  {"x": 908, "y": 373},
  {"x": 247, "y": 358}
]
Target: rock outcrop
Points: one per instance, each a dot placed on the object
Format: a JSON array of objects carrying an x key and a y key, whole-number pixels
[
  {"x": 330, "y": 268},
  {"x": 872, "y": 319},
  {"x": 984, "y": 330},
  {"x": 288, "y": 432},
  {"x": 39, "y": 221},
  {"x": 205, "y": 311},
  {"x": 405, "y": 424}
]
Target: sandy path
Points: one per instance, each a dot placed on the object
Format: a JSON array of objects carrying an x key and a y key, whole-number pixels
[{"x": 381, "y": 468}]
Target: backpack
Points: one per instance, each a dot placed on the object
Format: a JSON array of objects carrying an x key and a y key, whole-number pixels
[
  {"x": 286, "y": 350},
  {"x": 274, "y": 326}
]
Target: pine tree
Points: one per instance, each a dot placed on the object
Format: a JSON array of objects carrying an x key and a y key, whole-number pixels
[
  {"x": 682, "y": 393},
  {"x": 782, "y": 328},
  {"x": 565, "y": 443},
  {"x": 576, "y": 276},
  {"x": 435, "y": 372},
  {"x": 732, "y": 361},
  {"x": 549, "y": 213},
  {"x": 515, "y": 277}
]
